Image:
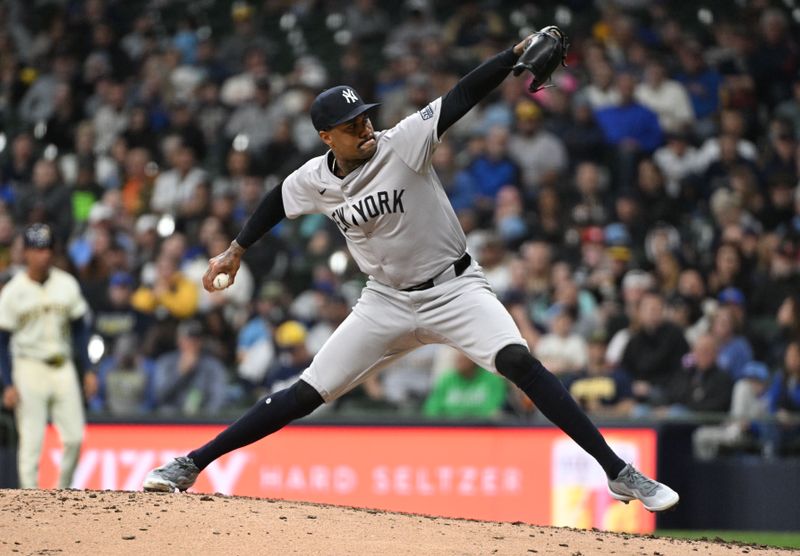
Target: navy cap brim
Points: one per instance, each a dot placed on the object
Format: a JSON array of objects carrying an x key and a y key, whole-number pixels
[{"x": 357, "y": 111}]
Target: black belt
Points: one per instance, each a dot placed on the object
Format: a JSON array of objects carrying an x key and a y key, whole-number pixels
[
  {"x": 55, "y": 361},
  {"x": 459, "y": 266}
]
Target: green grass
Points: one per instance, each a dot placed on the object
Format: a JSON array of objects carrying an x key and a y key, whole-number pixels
[{"x": 778, "y": 539}]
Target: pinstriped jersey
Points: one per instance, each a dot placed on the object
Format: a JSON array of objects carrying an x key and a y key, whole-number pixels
[
  {"x": 392, "y": 210},
  {"x": 39, "y": 315}
]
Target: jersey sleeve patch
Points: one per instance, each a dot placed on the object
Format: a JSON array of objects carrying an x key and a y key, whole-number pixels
[{"x": 426, "y": 113}]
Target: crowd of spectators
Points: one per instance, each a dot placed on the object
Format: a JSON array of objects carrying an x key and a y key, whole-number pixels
[{"x": 640, "y": 218}]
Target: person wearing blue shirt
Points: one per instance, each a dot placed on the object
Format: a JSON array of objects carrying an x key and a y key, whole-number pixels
[
  {"x": 630, "y": 125},
  {"x": 734, "y": 349},
  {"x": 783, "y": 398},
  {"x": 631, "y": 128}
]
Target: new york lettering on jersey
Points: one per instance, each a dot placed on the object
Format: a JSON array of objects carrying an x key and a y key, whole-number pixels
[{"x": 365, "y": 209}]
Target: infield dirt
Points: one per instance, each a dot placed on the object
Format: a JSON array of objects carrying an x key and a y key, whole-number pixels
[{"x": 112, "y": 522}]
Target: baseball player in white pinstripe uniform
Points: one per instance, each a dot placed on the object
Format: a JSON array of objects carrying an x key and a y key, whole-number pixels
[{"x": 42, "y": 321}]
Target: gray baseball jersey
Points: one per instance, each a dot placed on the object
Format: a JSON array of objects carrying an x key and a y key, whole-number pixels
[
  {"x": 402, "y": 231},
  {"x": 393, "y": 211}
]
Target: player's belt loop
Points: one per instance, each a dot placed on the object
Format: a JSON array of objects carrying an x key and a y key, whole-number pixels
[{"x": 457, "y": 269}]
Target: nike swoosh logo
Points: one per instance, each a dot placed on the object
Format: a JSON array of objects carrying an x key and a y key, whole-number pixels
[{"x": 322, "y": 191}]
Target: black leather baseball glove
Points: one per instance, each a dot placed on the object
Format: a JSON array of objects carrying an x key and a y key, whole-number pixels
[{"x": 546, "y": 49}]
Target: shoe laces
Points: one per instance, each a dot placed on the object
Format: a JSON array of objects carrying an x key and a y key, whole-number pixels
[
  {"x": 644, "y": 484},
  {"x": 185, "y": 463}
]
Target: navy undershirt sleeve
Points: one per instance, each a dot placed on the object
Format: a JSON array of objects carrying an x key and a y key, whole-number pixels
[
  {"x": 5, "y": 357},
  {"x": 269, "y": 212},
  {"x": 473, "y": 87},
  {"x": 80, "y": 345}
]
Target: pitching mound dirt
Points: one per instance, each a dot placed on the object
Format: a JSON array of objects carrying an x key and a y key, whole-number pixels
[{"x": 106, "y": 522}]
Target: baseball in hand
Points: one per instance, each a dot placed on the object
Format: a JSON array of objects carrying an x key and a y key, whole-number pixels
[{"x": 221, "y": 281}]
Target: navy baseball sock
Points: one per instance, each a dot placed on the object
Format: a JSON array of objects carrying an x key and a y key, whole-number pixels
[
  {"x": 267, "y": 416},
  {"x": 517, "y": 364}
]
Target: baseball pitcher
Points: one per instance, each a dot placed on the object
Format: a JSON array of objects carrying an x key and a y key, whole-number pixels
[
  {"x": 42, "y": 318},
  {"x": 381, "y": 191}
]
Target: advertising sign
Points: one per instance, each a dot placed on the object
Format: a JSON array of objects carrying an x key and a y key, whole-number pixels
[{"x": 534, "y": 475}]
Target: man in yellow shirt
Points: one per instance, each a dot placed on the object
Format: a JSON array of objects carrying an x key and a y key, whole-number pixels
[{"x": 170, "y": 295}]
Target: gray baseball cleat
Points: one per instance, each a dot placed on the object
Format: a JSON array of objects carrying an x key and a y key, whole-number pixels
[
  {"x": 180, "y": 473},
  {"x": 630, "y": 484}
]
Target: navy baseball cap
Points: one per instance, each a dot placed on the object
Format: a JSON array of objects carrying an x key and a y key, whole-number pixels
[
  {"x": 337, "y": 105},
  {"x": 38, "y": 236}
]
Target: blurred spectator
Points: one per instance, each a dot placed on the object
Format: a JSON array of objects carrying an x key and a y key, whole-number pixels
[
  {"x": 511, "y": 221},
  {"x": 241, "y": 88},
  {"x": 466, "y": 391},
  {"x": 776, "y": 59},
  {"x": 67, "y": 113},
  {"x": 657, "y": 206},
  {"x": 419, "y": 26},
  {"x": 540, "y": 155},
  {"x": 18, "y": 167},
  {"x": 245, "y": 36},
  {"x": 38, "y": 103},
  {"x": 784, "y": 405},
  {"x": 494, "y": 261},
  {"x": 367, "y": 21},
  {"x": 701, "y": 82},
  {"x": 469, "y": 27},
  {"x": 561, "y": 350},
  {"x": 654, "y": 352},
  {"x": 182, "y": 124},
  {"x": 111, "y": 118},
  {"x": 550, "y": 217},
  {"x": 412, "y": 97},
  {"x": 629, "y": 127},
  {"x": 115, "y": 317},
  {"x": 601, "y": 92},
  {"x": 635, "y": 284},
  {"x": 176, "y": 190},
  {"x": 727, "y": 270},
  {"x": 189, "y": 381},
  {"x": 748, "y": 407},
  {"x": 779, "y": 280},
  {"x": 124, "y": 380},
  {"x": 732, "y": 127},
  {"x": 293, "y": 356},
  {"x": 332, "y": 313},
  {"x": 138, "y": 181},
  {"x": 583, "y": 139},
  {"x": 589, "y": 209},
  {"x": 280, "y": 152},
  {"x": 106, "y": 172},
  {"x": 46, "y": 199},
  {"x": 667, "y": 98},
  {"x": 789, "y": 109},
  {"x": 734, "y": 349},
  {"x": 170, "y": 294},
  {"x": 255, "y": 345},
  {"x": 407, "y": 381},
  {"x": 699, "y": 385},
  {"x": 677, "y": 160},
  {"x": 255, "y": 120},
  {"x": 601, "y": 389},
  {"x": 490, "y": 170}
]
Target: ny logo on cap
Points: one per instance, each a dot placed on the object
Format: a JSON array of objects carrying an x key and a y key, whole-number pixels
[{"x": 350, "y": 96}]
